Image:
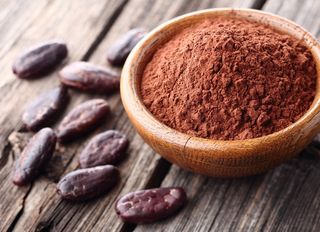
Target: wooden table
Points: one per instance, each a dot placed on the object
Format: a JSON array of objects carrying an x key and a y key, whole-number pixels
[{"x": 284, "y": 199}]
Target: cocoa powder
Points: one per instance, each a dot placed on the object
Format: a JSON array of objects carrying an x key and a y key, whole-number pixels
[{"x": 229, "y": 79}]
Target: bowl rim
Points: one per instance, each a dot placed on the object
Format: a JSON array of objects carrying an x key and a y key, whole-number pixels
[{"x": 129, "y": 85}]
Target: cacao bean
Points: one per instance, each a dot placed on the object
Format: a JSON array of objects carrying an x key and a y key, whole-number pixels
[
  {"x": 119, "y": 51},
  {"x": 34, "y": 157},
  {"x": 84, "y": 184},
  {"x": 44, "y": 109},
  {"x": 39, "y": 59},
  {"x": 150, "y": 205},
  {"x": 82, "y": 119},
  {"x": 105, "y": 148},
  {"x": 89, "y": 77}
]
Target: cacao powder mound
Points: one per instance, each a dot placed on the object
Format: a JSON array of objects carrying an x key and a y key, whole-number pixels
[{"x": 229, "y": 79}]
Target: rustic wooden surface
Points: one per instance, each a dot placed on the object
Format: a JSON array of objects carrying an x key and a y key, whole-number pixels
[{"x": 284, "y": 199}]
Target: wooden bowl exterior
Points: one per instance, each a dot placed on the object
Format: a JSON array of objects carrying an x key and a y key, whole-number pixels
[{"x": 207, "y": 156}]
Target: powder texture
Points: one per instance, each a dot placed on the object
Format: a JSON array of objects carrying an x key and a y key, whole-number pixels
[{"x": 229, "y": 79}]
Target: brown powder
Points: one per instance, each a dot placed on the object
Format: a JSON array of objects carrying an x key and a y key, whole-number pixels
[{"x": 229, "y": 79}]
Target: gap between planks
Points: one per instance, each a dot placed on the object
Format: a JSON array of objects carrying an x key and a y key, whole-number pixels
[
  {"x": 104, "y": 31},
  {"x": 258, "y": 4}
]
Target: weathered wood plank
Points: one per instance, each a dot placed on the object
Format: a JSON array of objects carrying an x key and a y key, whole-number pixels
[
  {"x": 284, "y": 199},
  {"x": 304, "y": 13},
  {"x": 15, "y": 18},
  {"x": 43, "y": 209},
  {"x": 24, "y": 23}
]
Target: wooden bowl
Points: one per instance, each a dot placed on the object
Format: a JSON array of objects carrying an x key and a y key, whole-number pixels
[{"x": 216, "y": 157}]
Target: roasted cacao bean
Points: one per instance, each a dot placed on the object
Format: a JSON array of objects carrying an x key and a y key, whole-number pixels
[
  {"x": 150, "y": 205},
  {"x": 105, "y": 148},
  {"x": 39, "y": 59},
  {"x": 34, "y": 157},
  {"x": 119, "y": 51},
  {"x": 44, "y": 109},
  {"x": 82, "y": 119},
  {"x": 84, "y": 184},
  {"x": 89, "y": 77}
]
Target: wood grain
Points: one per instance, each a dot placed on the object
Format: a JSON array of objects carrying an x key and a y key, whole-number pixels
[
  {"x": 38, "y": 207},
  {"x": 284, "y": 199},
  {"x": 40, "y": 20},
  {"x": 261, "y": 203}
]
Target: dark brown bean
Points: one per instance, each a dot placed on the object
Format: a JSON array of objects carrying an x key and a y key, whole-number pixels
[
  {"x": 82, "y": 119},
  {"x": 119, "y": 51},
  {"x": 150, "y": 205},
  {"x": 105, "y": 148},
  {"x": 84, "y": 184},
  {"x": 34, "y": 157},
  {"x": 89, "y": 77},
  {"x": 44, "y": 109},
  {"x": 39, "y": 59}
]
